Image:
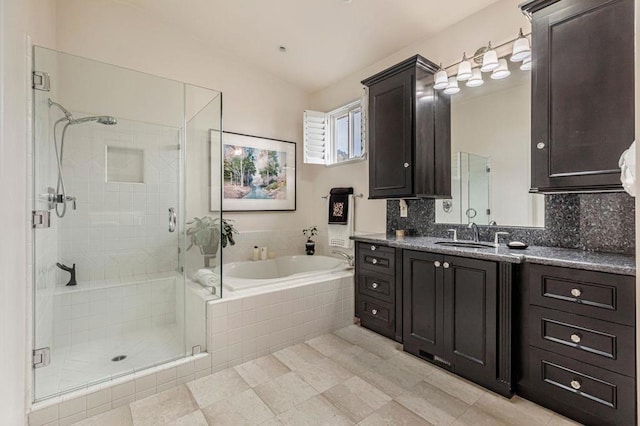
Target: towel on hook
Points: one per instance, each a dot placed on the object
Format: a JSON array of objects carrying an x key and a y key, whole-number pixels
[{"x": 339, "y": 205}]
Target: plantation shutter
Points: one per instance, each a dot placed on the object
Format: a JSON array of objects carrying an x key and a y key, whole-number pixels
[{"x": 315, "y": 137}]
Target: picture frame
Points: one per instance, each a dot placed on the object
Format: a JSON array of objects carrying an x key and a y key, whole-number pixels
[{"x": 258, "y": 174}]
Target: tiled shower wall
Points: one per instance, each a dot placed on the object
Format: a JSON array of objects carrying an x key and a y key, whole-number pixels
[{"x": 119, "y": 230}]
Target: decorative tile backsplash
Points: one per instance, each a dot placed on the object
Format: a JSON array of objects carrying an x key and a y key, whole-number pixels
[{"x": 593, "y": 222}]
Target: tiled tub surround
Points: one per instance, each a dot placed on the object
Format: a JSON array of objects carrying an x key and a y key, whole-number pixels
[{"x": 592, "y": 222}]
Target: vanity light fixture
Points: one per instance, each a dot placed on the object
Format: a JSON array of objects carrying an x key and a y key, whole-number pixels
[
  {"x": 489, "y": 60},
  {"x": 502, "y": 71},
  {"x": 441, "y": 79},
  {"x": 464, "y": 69},
  {"x": 453, "y": 87},
  {"x": 521, "y": 48},
  {"x": 476, "y": 78},
  {"x": 526, "y": 65}
]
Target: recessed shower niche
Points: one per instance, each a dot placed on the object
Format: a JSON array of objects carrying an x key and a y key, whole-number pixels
[{"x": 124, "y": 165}]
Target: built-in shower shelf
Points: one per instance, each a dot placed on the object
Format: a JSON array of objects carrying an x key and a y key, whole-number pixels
[{"x": 108, "y": 284}]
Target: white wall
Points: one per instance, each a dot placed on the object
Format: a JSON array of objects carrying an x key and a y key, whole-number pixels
[
  {"x": 18, "y": 18},
  {"x": 498, "y": 23},
  {"x": 254, "y": 102}
]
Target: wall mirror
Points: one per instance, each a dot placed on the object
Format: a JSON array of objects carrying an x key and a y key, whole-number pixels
[{"x": 490, "y": 146}]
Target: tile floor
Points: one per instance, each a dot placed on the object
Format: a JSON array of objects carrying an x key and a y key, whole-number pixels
[{"x": 352, "y": 376}]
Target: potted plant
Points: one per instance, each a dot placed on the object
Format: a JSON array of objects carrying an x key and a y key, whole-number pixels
[
  {"x": 310, "y": 245},
  {"x": 208, "y": 233}
]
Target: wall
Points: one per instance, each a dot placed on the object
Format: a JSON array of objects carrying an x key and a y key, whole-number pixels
[
  {"x": 18, "y": 18},
  {"x": 498, "y": 22}
]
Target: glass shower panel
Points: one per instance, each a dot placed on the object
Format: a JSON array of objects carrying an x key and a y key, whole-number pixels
[
  {"x": 108, "y": 169},
  {"x": 479, "y": 184}
]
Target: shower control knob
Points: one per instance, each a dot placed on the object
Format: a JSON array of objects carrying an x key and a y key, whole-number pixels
[
  {"x": 374, "y": 285},
  {"x": 374, "y": 261},
  {"x": 576, "y": 338},
  {"x": 540, "y": 145},
  {"x": 437, "y": 264},
  {"x": 406, "y": 165},
  {"x": 576, "y": 292},
  {"x": 374, "y": 311},
  {"x": 576, "y": 384}
]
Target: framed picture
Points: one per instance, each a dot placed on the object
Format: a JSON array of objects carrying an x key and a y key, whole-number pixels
[{"x": 259, "y": 174}]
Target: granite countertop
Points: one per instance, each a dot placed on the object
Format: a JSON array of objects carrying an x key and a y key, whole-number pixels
[{"x": 569, "y": 258}]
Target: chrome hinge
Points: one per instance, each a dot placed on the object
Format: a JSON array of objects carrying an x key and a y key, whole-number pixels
[
  {"x": 41, "y": 357},
  {"x": 41, "y": 81},
  {"x": 488, "y": 212},
  {"x": 41, "y": 219}
]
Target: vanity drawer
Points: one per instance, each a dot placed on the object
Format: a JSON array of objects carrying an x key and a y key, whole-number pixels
[
  {"x": 378, "y": 286},
  {"x": 376, "y": 258},
  {"x": 376, "y": 315},
  {"x": 608, "y": 297},
  {"x": 604, "y": 344},
  {"x": 583, "y": 392}
]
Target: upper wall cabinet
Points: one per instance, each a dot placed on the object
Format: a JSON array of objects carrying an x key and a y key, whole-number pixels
[
  {"x": 583, "y": 93},
  {"x": 409, "y": 133}
]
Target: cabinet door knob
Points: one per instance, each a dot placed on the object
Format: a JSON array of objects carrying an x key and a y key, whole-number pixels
[
  {"x": 446, "y": 265},
  {"x": 374, "y": 285},
  {"x": 576, "y": 292},
  {"x": 576, "y": 337},
  {"x": 374, "y": 261},
  {"x": 576, "y": 384},
  {"x": 406, "y": 165},
  {"x": 374, "y": 311},
  {"x": 436, "y": 264},
  {"x": 540, "y": 145},
  {"x": 373, "y": 248}
]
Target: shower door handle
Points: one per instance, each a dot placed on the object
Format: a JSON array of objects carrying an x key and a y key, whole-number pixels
[{"x": 172, "y": 219}]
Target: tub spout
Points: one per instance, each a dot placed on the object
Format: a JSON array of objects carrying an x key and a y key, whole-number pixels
[{"x": 349, "y": 258}]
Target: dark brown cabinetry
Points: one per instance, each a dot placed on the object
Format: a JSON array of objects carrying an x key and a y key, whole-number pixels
[
  {"x": 376, "y": 290},
  {"x": 577, "y": 347},
  {"x": 409, "y": 133},
  {"x": 452, "y": 316},
  {"x": 582, "y": 94}
]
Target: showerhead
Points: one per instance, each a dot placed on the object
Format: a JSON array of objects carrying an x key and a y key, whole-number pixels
[
  {"x": 107, "y": 120},
  {"x": 102, "y": 119}
]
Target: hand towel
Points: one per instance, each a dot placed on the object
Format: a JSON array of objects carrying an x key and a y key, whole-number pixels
[
  {"x": 206, "y": 277},
  {"x": 627, "y": 165},
  {"x": 339, "y": 205}
]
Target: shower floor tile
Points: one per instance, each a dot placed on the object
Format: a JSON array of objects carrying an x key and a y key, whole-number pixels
[{"x": 78, "y": 366}]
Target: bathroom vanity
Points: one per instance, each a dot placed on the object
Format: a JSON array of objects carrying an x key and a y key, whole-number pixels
[{"x": 556, "y": 326}]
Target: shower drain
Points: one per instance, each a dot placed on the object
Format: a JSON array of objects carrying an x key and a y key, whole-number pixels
[{"x": 118, "y": 358}]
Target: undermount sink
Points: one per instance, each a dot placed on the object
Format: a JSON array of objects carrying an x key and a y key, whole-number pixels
[{"x": 468, "y": 244}]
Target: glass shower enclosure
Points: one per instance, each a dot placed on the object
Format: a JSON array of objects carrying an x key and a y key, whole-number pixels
[{"x": 112, "y": 188}]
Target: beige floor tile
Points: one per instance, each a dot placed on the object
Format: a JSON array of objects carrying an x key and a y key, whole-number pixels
[
  {"x": 515, "y": 410},
  {"x": 299, "y": 356},
  {"x": 412, "y": 364},
  {"x": 246, "y": 408},
  {"x": 455, "y": 386},
  {"x": 120, "y": 416},
  {"x": 218, "y": 386},
  {"x": 390, "y": 379},
  {"x": 163, "y": 408},
  {"x": 372, "y": 342},
  {"x": 356, "y": 359},
  {"x": 435, "y": 406},
  {"x": 324, "y": 374},
  {"x": 393, "y": 414},
  {"x": 194, "y": 419},
  {"x": 285, "y": 392},
  {"x": 261, "y": 370},
  {"x": 558, "y": 420},
  {"x": 272, "y": 422},
  {"x": 356, "y": 398},
  {"x": 476, "y": 417},
  {"x": 316, "y": 411},
  {"x": 329, "y": 344}
]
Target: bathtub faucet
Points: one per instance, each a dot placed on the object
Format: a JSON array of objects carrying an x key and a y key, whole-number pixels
[{"x": 349, "y": 258}]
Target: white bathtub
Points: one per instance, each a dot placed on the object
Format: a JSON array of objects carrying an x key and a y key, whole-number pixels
[{"x": 251, "y": 274}]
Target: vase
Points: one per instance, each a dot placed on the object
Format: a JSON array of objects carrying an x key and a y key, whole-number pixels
[{"x": 310, "y": 247}]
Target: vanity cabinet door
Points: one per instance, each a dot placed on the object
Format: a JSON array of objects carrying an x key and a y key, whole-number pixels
[
  {"x": 582, "y": 94},
  {"x": 470, "y": 317},
  {"x": 422, "y": 304}
]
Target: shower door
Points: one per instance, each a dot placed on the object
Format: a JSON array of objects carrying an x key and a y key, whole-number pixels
[{"x": 119, "y": 143}]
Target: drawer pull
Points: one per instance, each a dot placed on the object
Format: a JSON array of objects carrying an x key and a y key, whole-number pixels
[
  {"x": 374, "y": 261},
  {"x": 576, "y": 292},
  {"x": 374, "y": 311},
  {"x": 576, "y": 338},
  {"x": 373, "y": 248},
  {"x": 374, "y": 285},
  {"x": 446, "y": 265},
  {"x": 576, "y": 384},
  {"x": 436, "y": 264}
]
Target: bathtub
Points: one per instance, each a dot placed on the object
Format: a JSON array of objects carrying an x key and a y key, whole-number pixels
[{"x": 240, "y": 276}]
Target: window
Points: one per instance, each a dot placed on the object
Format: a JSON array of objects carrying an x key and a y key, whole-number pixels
[{"x": 334, "y": 137}]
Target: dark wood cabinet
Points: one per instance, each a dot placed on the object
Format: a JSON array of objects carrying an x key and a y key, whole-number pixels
[
  {"x": 451, "y": 316},
  {"x": 409, "y": 133},
  {"x": 576, "y": 349},
  {"x": 582, "y": 93}
]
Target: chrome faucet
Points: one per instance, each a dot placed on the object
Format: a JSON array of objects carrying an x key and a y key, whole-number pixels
[
  {"x": 475, "y": 230},
  {"x": 350, "y": 259}
]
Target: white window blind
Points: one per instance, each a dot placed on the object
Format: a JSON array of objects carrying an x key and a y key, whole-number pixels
[{"x": 315, "y": 137}]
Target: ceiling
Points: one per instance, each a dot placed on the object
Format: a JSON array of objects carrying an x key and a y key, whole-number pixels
[{"x": 325, "y": 39}]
